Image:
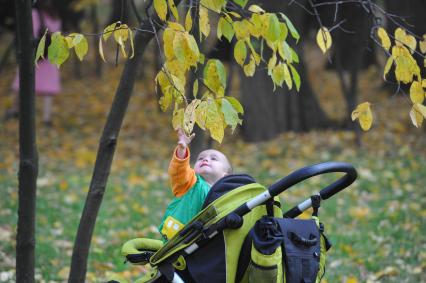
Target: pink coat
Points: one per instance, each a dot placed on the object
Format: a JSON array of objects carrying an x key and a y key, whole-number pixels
[{"x": 47, "y": 79}]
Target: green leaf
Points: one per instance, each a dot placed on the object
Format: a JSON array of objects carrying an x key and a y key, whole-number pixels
[
  {"x": 230, "y": 114},
  {"x": 283, "y": 32},
  {"x": 285, "y": 52},
  {"x": 81, "y": 48},
  {"x": 108, "y": 31},
  {"x": 240, "y": 52},
  {"x": 236, "y": 104},
  {"x": 160, "y": 7},
  {"x": 273, "y": 32},
  {"x": 294, "y": 55},
  {"x": 195, "y": 89},
  {"x": 215, "y": 5},
  {"x": 291, "y": 27},
  {"x": 58, "y": 49},
  {"x": 242, "y": 3},
  {"x": 296, "y": 77},
  {"x": 225, "y": 28},
  {"x": 40, "y": 48}
]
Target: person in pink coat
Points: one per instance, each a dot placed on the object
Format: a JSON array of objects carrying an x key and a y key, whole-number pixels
[{"x": 47, "y": 78}]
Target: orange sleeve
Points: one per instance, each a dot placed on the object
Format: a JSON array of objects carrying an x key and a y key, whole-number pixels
[{"x": 182, "y": 176}]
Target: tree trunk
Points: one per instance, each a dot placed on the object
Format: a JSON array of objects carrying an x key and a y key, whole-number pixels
[
  {"x": 105, "y": 156},
  {"x": 28, "y": 156}
]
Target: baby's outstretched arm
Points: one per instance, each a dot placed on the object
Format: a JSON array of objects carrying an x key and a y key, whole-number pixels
[{"x": 183, "y": 142}]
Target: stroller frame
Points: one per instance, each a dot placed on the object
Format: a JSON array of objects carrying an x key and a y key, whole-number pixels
[{"x": 201, "y": 229}]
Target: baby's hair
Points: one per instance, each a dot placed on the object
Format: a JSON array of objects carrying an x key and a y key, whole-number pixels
[{"x": 230, "y": 170}]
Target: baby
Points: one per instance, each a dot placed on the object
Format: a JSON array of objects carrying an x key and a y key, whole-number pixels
[{"x": 190, "y": 186}]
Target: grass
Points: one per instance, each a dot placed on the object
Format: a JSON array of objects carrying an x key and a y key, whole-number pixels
[{"x": 377, "y": 226}]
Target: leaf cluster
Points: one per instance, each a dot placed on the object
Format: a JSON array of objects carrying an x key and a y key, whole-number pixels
[{"x": 211, "y": 110}]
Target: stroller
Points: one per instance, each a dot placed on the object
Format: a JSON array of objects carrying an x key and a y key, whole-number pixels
[{"x": 242, "y": 235}]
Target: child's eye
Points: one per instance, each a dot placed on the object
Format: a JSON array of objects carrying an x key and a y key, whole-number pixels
[{"x": 214, "y": 158}]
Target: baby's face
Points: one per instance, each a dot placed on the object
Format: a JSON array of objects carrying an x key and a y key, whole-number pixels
[{"x": 211, "y": 165}]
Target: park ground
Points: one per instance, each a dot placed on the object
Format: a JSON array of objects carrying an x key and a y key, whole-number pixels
[{"x": 377, "y": 226}]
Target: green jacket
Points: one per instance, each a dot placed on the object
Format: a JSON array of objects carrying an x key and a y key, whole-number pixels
[{"x": 182, "y": 209}]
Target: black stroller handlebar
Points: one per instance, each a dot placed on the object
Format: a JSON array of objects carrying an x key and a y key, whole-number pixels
[{"x": 315, "y": 170}]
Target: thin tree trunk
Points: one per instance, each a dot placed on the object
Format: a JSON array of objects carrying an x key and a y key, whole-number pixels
[
  {"x": 28, "y": 163},
  {"x": 95, "y": 21},
  {"x": 105, "y": 156}
]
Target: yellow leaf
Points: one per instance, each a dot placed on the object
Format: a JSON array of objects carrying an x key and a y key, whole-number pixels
[
  {"x": 420, "y": 108},
  {"x": 109, "y": 30},
  {"x": 189, "y": 116},
  {"x": 406, "y": 67},
  {"x": 168, "y": 36},
  {"x": 388, "y": 271},
  {"x": 160, "y": 7},
  {"x": 177, "y": 120},
  {"x": 201, "y": 114},
  {"x": 352, "y": 279},
  {"x": 204, "y": 21},
  {"x": 250, "y": 68},
  {"x": 101, "y": 50},
  {"x": 175, "y": 26},
  {"x": 401, "y": 37},
  {"x": 173, "y": 9},
  {"x": 387, "y": 67},
  {"x": 278, "y": 75},
  {"x": 416, "y": 117},
  {"x": 359, "y": 212},
  {"x": 121, "y": 34},
  {"x": 242, "y": 29},
  {"x": 324, "y": 40},
  {"x": 81, "y": 48},
  {"x": 417, "y": 94},
  {"x": 256, "y": 9},
  {"x": 384, "y": 38},
  {"x": 214, "y": 122},
  {"x": 422, "y": 44},
  {"x": 287, "y": 77},
  {"x": 364, "y": 115},
  {"x": 188, "y": 21}
]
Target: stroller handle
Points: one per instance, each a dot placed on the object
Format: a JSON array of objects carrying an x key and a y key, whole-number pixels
[
  {"x": 301, "y": 175},
  {"x": 315, "y": 170}
]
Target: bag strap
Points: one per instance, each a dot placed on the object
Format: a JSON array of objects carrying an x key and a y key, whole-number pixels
[{"x": 316, "y": 203}]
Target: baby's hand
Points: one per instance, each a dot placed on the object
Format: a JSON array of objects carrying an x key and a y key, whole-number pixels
[{"x": 183, "y": 142}]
